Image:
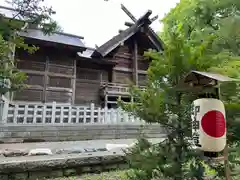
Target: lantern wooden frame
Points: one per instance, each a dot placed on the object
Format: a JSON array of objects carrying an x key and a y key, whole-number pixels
[{"x": 206, "y": 82}]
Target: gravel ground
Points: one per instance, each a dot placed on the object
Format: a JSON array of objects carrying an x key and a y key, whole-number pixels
[{"x": 114, "y": 175}]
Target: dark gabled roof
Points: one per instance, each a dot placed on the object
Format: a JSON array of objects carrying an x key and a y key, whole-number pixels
[
  {"x": 10, "y": 13},
  {"x": 37, "y": 34},
  {"x": 86, "y": 55},
  {"x": 57, "y": 37},
  {"x": 126, "y": 34},
  {"x": 192, "y": 76},
  {"x": 115, "y": 41},
  {"x": 155, "y": 39},
  {"x": 197, "y": 81}
]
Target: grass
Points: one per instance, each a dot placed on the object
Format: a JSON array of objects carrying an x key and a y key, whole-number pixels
[{"x": 113, "y": 175}]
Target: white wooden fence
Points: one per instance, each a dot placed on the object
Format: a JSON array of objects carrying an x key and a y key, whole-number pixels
[{"x": 32, "y": 113}]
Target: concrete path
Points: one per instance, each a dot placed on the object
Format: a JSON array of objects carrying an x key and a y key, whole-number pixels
[
  {"x": 72, "y": 144},
  {"x": 69, "y": 147}
]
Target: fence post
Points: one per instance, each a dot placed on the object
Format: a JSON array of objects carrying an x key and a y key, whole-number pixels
[
  {"x": 44, "y": 113},
  {"x": 112, "y": 116},
  {"x": 70, "y": 114},
  {"x": 53, "y": 112},
  {"x": 126, "y": 117},
  {"x": 84, "y": 115},
  {"x": 99, "y": 118},
  {"x": 77, "y": 115},
  {"x": 15, "y": 114},
  {"x": 105, "y": 114},
  {"x": 61, "y": 114},
  {"x": 25, "y": 114},
  {"x": 5, "y": 110},
  {"x": 118, "y": 115},
  {"x": 35, "y": 114},
  {"x": 92, "y": 112}
]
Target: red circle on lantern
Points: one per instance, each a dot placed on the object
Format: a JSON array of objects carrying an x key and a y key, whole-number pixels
[{"x": 214, "y": 124}]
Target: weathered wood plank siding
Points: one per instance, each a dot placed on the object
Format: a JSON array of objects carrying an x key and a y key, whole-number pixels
[
  {"x": 122, "y": 77},
  {"x": 34, "y": 66},
  {"x": 88, "y": 82},
  {"x": 123, "y": 57},
  {"x": 60, "y": 78},
  {"x": 50, "y": 76},
  {"x": 143, "y": 64},
  {"x": 142, "y": 79},
  {"x": 123, "y": 71}
]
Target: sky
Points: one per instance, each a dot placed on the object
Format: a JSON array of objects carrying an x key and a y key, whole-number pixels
[{"x": 98, "y": 21}]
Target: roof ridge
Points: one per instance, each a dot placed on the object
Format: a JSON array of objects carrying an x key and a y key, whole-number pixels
[
  {"x": 8, "y": 8},
  {"x": 60, "y": 33}
]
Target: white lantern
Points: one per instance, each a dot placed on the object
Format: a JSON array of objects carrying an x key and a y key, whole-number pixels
[{"x": 209, "y": 124}]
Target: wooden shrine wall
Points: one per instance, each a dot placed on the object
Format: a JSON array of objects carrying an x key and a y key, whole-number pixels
[
  {"x": 50, "y": 76},
  {"x": 34, "y": 66},
  {"x": 56, "y": 76},
  {"x": 88, "y": 82},
  {"x": 123, "y": 71}
]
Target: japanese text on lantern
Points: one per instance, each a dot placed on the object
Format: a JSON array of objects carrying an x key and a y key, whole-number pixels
[{"x": 195, "y": 125}]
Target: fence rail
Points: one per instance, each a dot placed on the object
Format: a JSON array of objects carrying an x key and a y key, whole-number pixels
[
  {"x": 116, "y": 88},
  {"x": 63, "y": 114}
]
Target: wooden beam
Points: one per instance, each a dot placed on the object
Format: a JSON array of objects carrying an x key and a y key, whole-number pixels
[
  {"x": 48, "y": 73},
  {"x": 105, "y": 101},
  {"x": 225, "y": 151},
  {"x": 74, "y": 81},
  {"x": 151, "y": 39},
  {"x": 135, "y": 62},
  {"x": 59, "y": 89},
  {"x": 46, "y": 79},
  {"x": 129, "y": 70},
  {"x": 120, "y": 30},
  {"x": 128, "y": 13},
  {"x": 128, "y": 24},
  {"x": 226, "y": 163},
  {"x": 154, "y": 18}
]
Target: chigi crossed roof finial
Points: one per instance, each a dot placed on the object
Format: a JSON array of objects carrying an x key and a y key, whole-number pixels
[
  {"x": 138, "y": 25},
  {"x": 133, "y": 17}
]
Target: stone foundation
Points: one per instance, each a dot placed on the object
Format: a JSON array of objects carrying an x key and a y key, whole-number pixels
[
  {"x": 30, "y": 169},
  {"x": 76, "y": 132}
]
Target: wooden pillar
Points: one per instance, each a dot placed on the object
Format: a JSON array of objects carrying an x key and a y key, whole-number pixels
[
  {"x": 46, "y": 79},
  {"x": 11, "y": 55},
  {"x": 225, "y": 151},
  {"x": 74, "y": 81},
  {"x": 135, "y": 62},
  {"x": 105, "y": 101}
]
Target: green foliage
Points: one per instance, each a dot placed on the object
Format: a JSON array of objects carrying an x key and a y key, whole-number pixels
[
  {"x": 198, "y": 35},
  {"x": 34, "y": 14}
]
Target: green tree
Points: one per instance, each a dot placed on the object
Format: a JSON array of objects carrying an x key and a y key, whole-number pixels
[
  {"x": 26, "y": 13},
  {"x": 198, "y": 35}
]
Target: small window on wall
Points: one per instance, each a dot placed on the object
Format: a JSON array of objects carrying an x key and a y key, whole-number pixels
[{"x": 61, "y": 82}]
